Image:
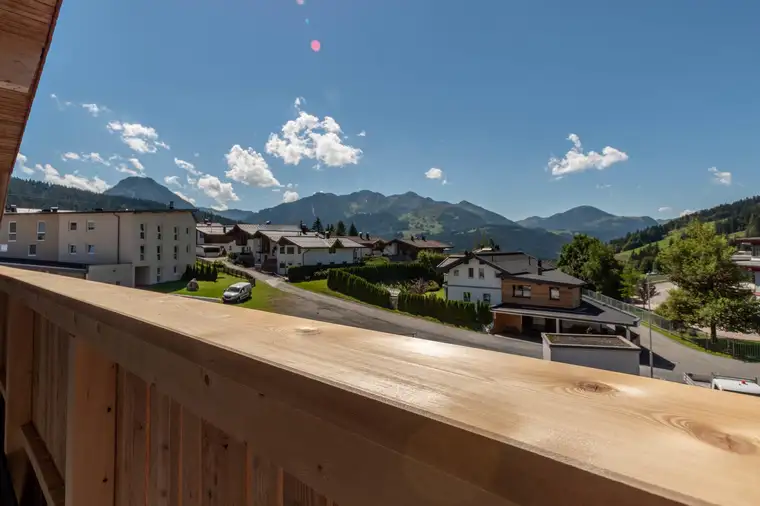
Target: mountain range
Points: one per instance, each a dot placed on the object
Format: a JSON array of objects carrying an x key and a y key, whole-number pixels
[
  {"x": 464, "y": 225},
  {"x": 590, "y": 221}
]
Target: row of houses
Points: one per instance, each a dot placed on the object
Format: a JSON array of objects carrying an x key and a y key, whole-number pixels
[{"x": 276, "y": 248}]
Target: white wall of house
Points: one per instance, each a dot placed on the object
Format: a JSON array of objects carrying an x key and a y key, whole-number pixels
[
  {"x": 390, "y": 249},
  {"x": 484, "y": 282},
  {"x": 291, "y": 256}
]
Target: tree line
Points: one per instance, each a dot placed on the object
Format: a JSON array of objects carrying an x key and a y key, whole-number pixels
[
  {"x": 742, "y": 215},
  {"x": 710, "y": 288}
]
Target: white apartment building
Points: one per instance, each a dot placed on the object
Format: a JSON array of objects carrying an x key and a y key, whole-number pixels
[{"x": 129, "y": 248}]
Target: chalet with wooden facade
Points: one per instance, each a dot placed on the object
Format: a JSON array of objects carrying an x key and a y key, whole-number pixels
[
  {"x": 371, "y": 246},
  {"x": 411, "y": 247},
  {"x": 527, "y": 295},
  {"x": 747, "y": 256}
]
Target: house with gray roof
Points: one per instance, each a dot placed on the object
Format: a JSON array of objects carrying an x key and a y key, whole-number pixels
[
  {"x": 526, "y": 294},
  {"x": 292, "y": 251}
]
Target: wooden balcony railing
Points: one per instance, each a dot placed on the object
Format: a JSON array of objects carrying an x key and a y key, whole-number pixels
[{"x": 116, "y": 396}]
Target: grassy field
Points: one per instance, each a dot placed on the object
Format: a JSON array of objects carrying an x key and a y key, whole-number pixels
[
  {"x": 663, "y": 243},
  {"x": 262, "y": 295}
]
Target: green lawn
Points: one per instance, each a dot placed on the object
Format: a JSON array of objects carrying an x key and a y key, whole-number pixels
[
  {"x": 441, "y": 294},
  {"x": 320, "y": 286},
  {"x": 261, "y": 295}
]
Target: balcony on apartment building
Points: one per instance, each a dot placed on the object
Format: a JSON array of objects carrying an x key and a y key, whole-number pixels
[{"x": 114, "y": 396}]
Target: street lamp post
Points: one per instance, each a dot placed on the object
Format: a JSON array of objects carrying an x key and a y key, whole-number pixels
[{"x": 649, "y": 305}]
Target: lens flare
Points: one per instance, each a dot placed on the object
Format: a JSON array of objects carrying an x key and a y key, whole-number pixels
[
  {"x": 316, "y": 46},
  {"x": 299, "y": 2}
]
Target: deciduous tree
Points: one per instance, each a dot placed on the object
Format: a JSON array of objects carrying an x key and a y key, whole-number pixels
[
  {"x": 594, "y": 262},
  {"x": 710, "y": 291}
]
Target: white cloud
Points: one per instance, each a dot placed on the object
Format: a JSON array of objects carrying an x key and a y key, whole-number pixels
[
  {"x": 185, "y": 197},
  {"x": 719, "y": 177},
  {"x": 434, "y": 173},
  {"x": 276, "y": 190},
  {"x": 686, "y": 212},
  {"x": 21, "y": 163},
  {"x": 70, "y": 156},
  {"x": 51, "y": 175},
  {"x": 222, "y": 193},
  {"x": 182, "y": 164},
  {"x": 249, "y": 167},
  {"x": 290, "y": 185},
  {"x": 173, "y": 180},
  {"x": 95, "y": 109},
  {"x": 309, "y": 137},
  {"x": 603, "y": 186},
  {"x": 577, "y": 161},
  {"x": 298, "y": 102},
  {"x": 192, "y": 181},
  {"x": 60, "y": 103},
  {"x": 289, "y": 196},
  {"x": 139, "y": 138},
  {"x": 126, "y": 169},
  {"x": 136, "y": 164},
  {"x": 362, "y": 134},
  {"x": 664, "y": 209},
  {"x": 96, "y": 158}
]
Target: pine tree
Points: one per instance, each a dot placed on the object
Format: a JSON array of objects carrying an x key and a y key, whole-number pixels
[
  {"x": 317, "y": 226},
  {"x": 340, "y": 229},
  {"x": 352, "y": 231}
]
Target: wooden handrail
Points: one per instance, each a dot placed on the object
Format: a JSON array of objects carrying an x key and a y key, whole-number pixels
[{"x": 370, "y": 418}]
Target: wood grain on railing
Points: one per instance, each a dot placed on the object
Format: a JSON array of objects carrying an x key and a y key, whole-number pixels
[{"x": 217, "y": 405}]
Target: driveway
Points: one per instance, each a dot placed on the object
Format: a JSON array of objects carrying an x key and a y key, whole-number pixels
[{"x": 672, "y": 359}]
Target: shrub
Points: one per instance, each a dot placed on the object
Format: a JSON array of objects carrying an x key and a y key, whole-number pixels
[
  {"x": 430, "y": 259},
  {"x": 358, "y": 288},
  {"x": 307, "y": 272},
  {"x": 466, "y": 314},
  {"x": 395, "y": 272}
]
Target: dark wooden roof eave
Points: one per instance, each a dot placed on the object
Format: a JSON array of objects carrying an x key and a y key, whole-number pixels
[{"x": 26, "y": 32}]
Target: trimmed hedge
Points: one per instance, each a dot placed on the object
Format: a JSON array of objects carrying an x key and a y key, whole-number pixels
[
  {"x": 395, "y": 272},
  {"x": 201, "y": 271},
  {"x": 312, "y": 272},
  {"x": 358, "y": 288},
  {"x": 456, "y": 312}
]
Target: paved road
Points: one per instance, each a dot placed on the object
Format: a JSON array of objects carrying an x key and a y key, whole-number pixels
[{"x": 671, "y": 358}]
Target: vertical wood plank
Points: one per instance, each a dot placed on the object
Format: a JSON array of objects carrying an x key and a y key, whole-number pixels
[
  {"x": 175, "y": 453},
  {"x": 190, "y": 473},
  {"x": 18, "y": 381},
  {"x": 59, "y": 399},
  {"x": 132, "y": 441},
  {"x": 91, "y": 427},
  {"x": 297, "y": 493},
  {"x": 160, "y": 439},
  {"x": 224, "y": 468},
  {"x": 264, "y": 481},
  {"x": 3, "y": 339}
]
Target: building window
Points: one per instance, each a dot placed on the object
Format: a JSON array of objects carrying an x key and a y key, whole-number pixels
[
  {"x": 291, "y": 250},
  {"x": 332, "y": 251},
  {"x": 298, "y": 250},
  {"x": 456, "y": 272},
  {"x": 158, "y": 232},
  {"x": 90, "y": 226},
  {"x": 554, "y": 293},
  {"x": 175, "y": 269},
  {"x": 522, "y": 291},
  {"x": 12, "y": 231},
  {"x": 90, "y": 249},
  {"x": 158, "y": 274},
  {"x": 176, "y": 233},
  {"x": 487, "y": 298},
  {"x": 187, "y": 248},
  {"x": 470, "y": 273},
  {"x": 496, "y": 274},
  {"x": 187, "y": 231},
  {"x": 142, "y": 252},
  {"x": 176, "y": 252},
  {"x": 72, "y": 249},
  {"x": 481, "y": 273},
  {"x": 142, "y": 230},
  {"x": 466, "y": 296},
  {"x": 32, "y": 250},
  {"x": 158, "y": 252},
  {"x": 41, "y": 230},
  {"x": 73, "y": 226}
]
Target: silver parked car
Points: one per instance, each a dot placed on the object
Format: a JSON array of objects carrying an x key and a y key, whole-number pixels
[{"x": 238, "y": 292}]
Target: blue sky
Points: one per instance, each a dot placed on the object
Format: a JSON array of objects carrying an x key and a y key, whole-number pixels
[{"x": 523, "y": 107}]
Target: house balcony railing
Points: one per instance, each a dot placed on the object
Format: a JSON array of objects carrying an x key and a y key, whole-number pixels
[{"x": 116, "y": 396}]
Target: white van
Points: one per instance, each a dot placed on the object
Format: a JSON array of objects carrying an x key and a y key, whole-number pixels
[{"x": 238, "y": 292}]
